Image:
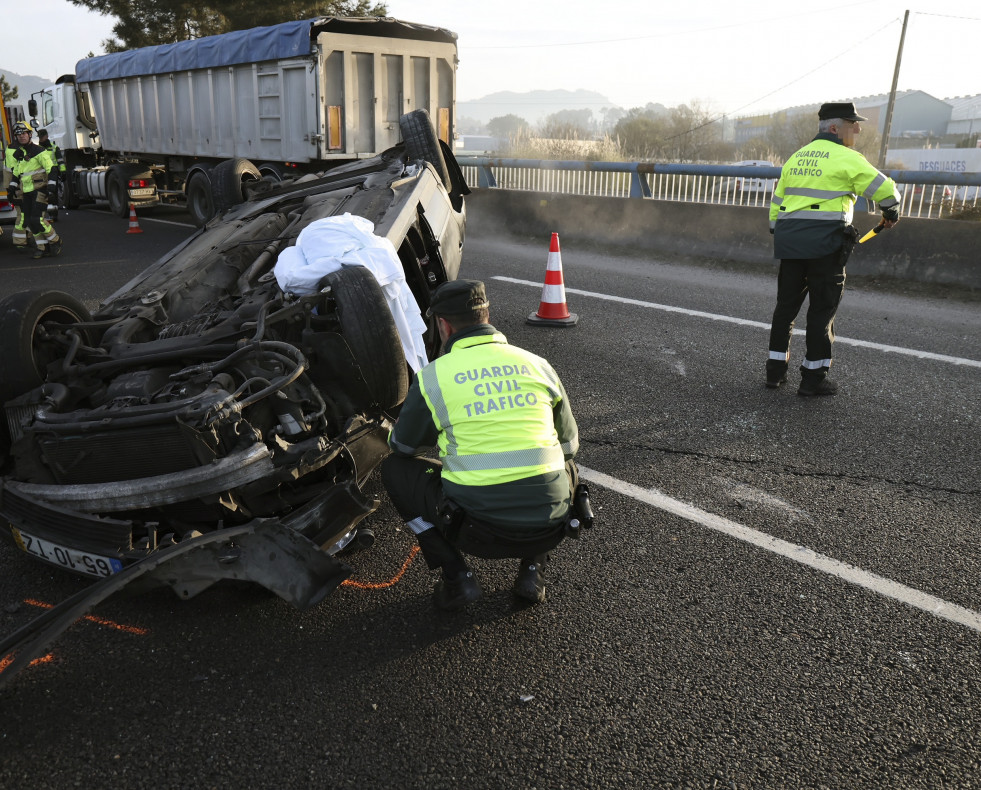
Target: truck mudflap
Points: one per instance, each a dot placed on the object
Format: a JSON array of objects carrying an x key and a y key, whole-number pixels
[{"x": 265, "y": 551}]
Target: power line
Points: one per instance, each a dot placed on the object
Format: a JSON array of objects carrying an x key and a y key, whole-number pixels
[
  {"x": 711, "y": 29},
  {"x": 787, "y": 85},
  {"x": 949, "y": 16}
]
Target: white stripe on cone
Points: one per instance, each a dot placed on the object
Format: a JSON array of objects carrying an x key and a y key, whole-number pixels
[{"x": 553, "y": 294}]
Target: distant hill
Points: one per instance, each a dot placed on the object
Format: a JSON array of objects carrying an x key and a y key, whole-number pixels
[
  {"x": 26, "y": 85},
  {"x": 533, "y": 106}
]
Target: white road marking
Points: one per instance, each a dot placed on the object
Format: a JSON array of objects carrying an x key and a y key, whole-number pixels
[
  {"x": 912, "y": 352},
  {"x": 801, "y": 554},
  {"x": 144, "y": 218},
  {"x": 168, "y": 222}
]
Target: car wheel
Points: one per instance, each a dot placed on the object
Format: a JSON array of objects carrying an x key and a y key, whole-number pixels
[
  {"x": 117, "y": 193},
  {"x": 200, "y": 203},
  {"x": 421, "y": 142},
  {"x": 369, "y": 329},
  {"x": 24, "y": 354},
  {"x": 228, "y": 181}
]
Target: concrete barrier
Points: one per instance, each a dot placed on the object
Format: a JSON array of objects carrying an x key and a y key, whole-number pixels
[{"x": 922, "y": 250}]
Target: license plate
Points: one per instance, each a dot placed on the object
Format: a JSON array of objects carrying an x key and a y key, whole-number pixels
[
  {"x": 72, "y": 559},
  {"x": 142, "y": 192}
]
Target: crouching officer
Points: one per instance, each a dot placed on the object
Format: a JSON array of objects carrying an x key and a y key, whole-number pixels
[
  {"x": 33, "y": 172},
  {"x": 505, "y": 482}
]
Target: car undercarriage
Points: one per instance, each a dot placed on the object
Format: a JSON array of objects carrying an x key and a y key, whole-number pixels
[{"x": 206, "y": 424}]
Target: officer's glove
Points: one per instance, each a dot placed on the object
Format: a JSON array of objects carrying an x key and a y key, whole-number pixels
[
  {"x": 891, "y": 214},
  {"x": 52, "y": 190},
  {"x": 13, "y": 190}
]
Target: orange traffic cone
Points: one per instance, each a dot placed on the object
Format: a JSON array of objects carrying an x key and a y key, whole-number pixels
[
  {"x": 553, "y": 311},
  {"x": 134, "y": 225}
]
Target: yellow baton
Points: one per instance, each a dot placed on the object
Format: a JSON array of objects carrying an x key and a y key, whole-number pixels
[{"x": 871, "y": 233}]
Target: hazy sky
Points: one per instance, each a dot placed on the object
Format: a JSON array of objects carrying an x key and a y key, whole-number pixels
[{"x": 729, "y": 56}]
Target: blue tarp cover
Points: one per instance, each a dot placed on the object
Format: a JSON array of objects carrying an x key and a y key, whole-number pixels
[{"x": 287, "y": 40}]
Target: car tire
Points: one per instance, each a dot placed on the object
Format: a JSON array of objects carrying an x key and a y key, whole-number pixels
[
  {"x": 23, "y": 360},
  {"x": 369, "y": 329},
  {"x": 421, "y": 142},
  {"x": 228, "y": 181},
  {"x": 117, "y": 193},
  {"x": 200, "y": 203}
]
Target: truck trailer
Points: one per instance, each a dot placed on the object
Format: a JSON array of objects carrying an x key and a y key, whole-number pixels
[{"x": 194, "y": 122}]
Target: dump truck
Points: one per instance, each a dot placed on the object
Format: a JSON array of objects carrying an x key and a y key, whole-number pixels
[{"x": 194, "y": 122}]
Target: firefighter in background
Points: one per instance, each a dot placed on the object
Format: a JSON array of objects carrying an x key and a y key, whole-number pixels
[
  {"x": 33, "y": 184},
  {"x": 51, "y": 213}
]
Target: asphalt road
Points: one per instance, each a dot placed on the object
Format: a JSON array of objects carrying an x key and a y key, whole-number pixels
[{"x": 780, "y": 592}]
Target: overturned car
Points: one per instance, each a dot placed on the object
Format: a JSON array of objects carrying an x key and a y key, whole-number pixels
[{"x": 208, "y": 423}]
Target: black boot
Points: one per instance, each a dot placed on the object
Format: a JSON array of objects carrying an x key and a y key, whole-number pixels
[
  {"x": 454, "y": 591},
  {"x": 776, "y": 373},
  {"x": 530, "y": 583},
  {"x": 812, "y": 385},
  {"x": 458, "y": 586}
]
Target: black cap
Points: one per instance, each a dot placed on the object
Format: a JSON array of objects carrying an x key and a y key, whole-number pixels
[
  {"x": 458, "y": 298},
  {"x": 840, "y": 109}
]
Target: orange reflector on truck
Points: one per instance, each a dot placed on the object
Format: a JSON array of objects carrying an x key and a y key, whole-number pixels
[
  {"x": 444, "y": 124},
  {"x": 333, "y": 127}
]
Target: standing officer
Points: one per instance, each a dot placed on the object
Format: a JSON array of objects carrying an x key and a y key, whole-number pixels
[
  {"x": 32, "y": 171},
  {"x": 505, "y": 481},
  {"x": 54, "y": 150},
  {"x": 810, "y": 219}
]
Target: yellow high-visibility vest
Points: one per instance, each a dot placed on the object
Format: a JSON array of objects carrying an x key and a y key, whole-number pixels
[
  {"x": 493, "y": 405},
  {"x": 821, "y": 181}
]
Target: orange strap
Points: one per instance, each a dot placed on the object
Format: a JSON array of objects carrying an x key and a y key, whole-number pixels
[{"x": 391, "y": 582}]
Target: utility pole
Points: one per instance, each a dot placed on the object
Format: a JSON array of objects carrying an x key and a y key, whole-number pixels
[{"x": 887, "y": 126}]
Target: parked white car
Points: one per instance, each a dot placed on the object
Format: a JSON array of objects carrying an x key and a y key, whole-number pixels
[{"x": 753, "y": 186}]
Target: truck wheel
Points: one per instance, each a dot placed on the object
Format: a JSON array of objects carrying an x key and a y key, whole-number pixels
[
  {"x": 421, "y": 142},
  {"x": 70, "y": 197},
  {"x": 200, "y": 203},
  {"x": 369, "y": 329},
  {"x": 4, "y": 443},
  {"x": 24, "y": 354},
  {"x": 228, "y": 180},
  {"x": 272, "y": 172},
  {"x": 117, "y": 193}
]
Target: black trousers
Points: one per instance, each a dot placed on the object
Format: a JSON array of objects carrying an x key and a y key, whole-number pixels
[
  {"x": 32, "y": 212},
  {"x": 822, "y": 282},
  {"x": 415, "y": 487}
]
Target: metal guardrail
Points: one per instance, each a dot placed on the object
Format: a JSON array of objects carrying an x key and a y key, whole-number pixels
[{"x": 926, "y": 194}]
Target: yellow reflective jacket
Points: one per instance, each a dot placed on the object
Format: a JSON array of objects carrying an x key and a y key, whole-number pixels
[
  {"x": 814, "y": 200},
  {"x": 54, "y": 150},
  {"x": 502, "y": 422},
  {"x": 29, "y": 165}
]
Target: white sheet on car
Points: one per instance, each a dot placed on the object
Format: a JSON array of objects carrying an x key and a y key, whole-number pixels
[{"x": 327, "y": 244}]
